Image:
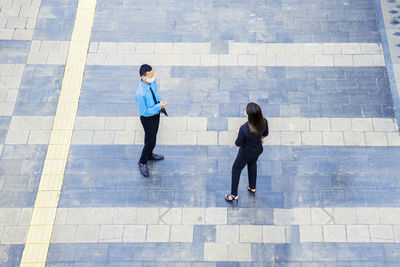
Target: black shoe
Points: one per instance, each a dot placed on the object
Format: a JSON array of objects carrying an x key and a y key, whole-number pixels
[
  {"x": 143, "y": 169},
  {"x": 156, "y": 157}
]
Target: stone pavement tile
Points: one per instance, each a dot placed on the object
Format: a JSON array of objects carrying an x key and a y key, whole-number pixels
[
  {"x": 396, "y": 233},
  {"x": 11, "y": 254},
  {"x": 17, "y": 137},
  {"x": 9, "y": 216},
  {"x": 262, "y": 253},
  {"x": 292, "y": 216},
  {"x": 181, "y": 233},
  {"x": 311, "y": 138},
  {"x": 239, "y": 252},
  {"x": 367, "y": 216},
  {"x": 381, "y": 233},
  {"x": 39, "y": 137},
  {"x": 358, "y": 233},
  {"x": 111, "y": 233},
  {"x": 87, "y": 233},
  {"x": 82, "y": 137},
  {"x": 215, "y": 252},
  {"x": 124, "y": 137},
  {"x": 55, "y": 21},
  {"x": 238, "y": 215},
  {"x": 274, "y": 234},
  {"x": 170, "y": 215},
  {"x": 334, "y": 233},
  {"x": 147, "y": 215},
  {"x": 217, "y": 124},
  {"x": 76, "y": 216},
  {"x": 25, "y": 216},
  {"x": 63, "y": 234},
  {"x": 103, "y": 137},
  {"x": 361, "y": 124},
  {"x": 393, "y": 138},
  {"x": 292, "y": 234},
  {"x": 13, "y": 234},
  {"x": 42, "y": 83},
  {"x": 124, "y": 216},
  {"x": 215, "y": 216},
  {"x": 333, "y": 138},
  {"x": 389, "y": 215},
  {"x": 250, "y": 234},
  {"x": 310, "y": 233},
  {"x": 322, "y": 216},
  {"x": 158, "y": 233},
  {"x": 193, "y": 216},
  {"x": 227, "y": 233},
  {"x": 354, "y": 138},
  {"x": 320, "y": 124},
  {"x": 15, "y": 52},
  {"x": 293, "y": 252},
  {"x": 290, "y": 138},
  {"x": 345, "y": 215},
  {"x": 376, "y": 138},
  {"x": 204, "y": 233},
  {"x": 134, "y": 233}
]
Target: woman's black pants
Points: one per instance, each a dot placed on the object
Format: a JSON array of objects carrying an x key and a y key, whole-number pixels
[{"x": 243, "y": 159}]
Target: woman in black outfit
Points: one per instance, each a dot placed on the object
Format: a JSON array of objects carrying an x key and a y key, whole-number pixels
[{"x": 250, "y": 140}]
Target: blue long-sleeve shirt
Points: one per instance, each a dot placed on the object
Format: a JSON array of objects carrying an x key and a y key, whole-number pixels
[{"x": 144, "y": 99}]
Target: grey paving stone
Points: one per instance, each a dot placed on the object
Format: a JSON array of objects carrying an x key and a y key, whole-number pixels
[
  {"x": 124, "y": 216},
  {"x": 147, "y": 216},
  {"x": 9, "y": 216},
  {"x": 181, "y": 233},
  {"x": 25, "y": 216},
  {"x": 251, "y": 234},
  {"x": 111, "y": 233},
  {"x": 227, "y": 233},
  {"x": 311, "y": 233},
  {"x": 14, "y": 234},
  {"x": 63, "y": 233},
  {"x": 134, "y": 233},
  {"x": 103, "y": 137},
  {"x": 87, "y": 233},
  {"x": 193, "y": 216},
  {"x": 89, "y": 123},
  {"x": 170, "y": 215},
  {"x": 158, "y": 233},
  {"x": 334, "y": 233},
  {"x": 39, "y": 137},
  {"x": 17, "y": 137},
  {"x": 82, "y": 137},
  {"x": 77, "y": 216},
  {"x": 358, "y": 233},
  {"x": 61, "y": 216}
]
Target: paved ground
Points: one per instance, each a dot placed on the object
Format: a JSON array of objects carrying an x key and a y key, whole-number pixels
[{"x": 326, "y": 73}]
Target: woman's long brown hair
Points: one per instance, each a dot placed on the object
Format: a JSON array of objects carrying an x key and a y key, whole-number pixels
[{"x": 256, "y": 119}]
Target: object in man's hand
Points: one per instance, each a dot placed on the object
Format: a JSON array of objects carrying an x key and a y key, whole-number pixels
[{"x": 163, "y": 110}]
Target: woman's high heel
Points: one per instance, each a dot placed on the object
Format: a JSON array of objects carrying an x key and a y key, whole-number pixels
[{"x": 230, "y": 198}]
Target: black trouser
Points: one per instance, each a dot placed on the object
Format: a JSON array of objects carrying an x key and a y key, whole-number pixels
[
  {"x": 150, "y": 126},
  {"x": 243, "y": 159}
]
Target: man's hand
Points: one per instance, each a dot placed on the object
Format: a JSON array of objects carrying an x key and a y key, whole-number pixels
[{"x": 163, "y": 104}]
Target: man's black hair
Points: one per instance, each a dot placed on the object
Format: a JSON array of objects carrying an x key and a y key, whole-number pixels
[{"x": 144, "y": 69}]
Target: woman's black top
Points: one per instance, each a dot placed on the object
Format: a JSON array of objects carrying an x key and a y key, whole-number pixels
[{"x": 249, "y": 142}]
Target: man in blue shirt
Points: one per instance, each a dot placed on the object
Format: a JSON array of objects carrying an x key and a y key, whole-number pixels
[{"x": 149, "y": 106}]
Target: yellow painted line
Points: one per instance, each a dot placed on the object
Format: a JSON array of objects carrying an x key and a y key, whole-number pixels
[{"x": 48, "y": 195}]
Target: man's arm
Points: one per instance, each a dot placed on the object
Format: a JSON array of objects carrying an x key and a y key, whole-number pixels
[{"x": 143, "y": 109}]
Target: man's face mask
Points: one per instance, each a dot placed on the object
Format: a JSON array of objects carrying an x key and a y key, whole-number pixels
[{"x": 150, "y": 80}]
